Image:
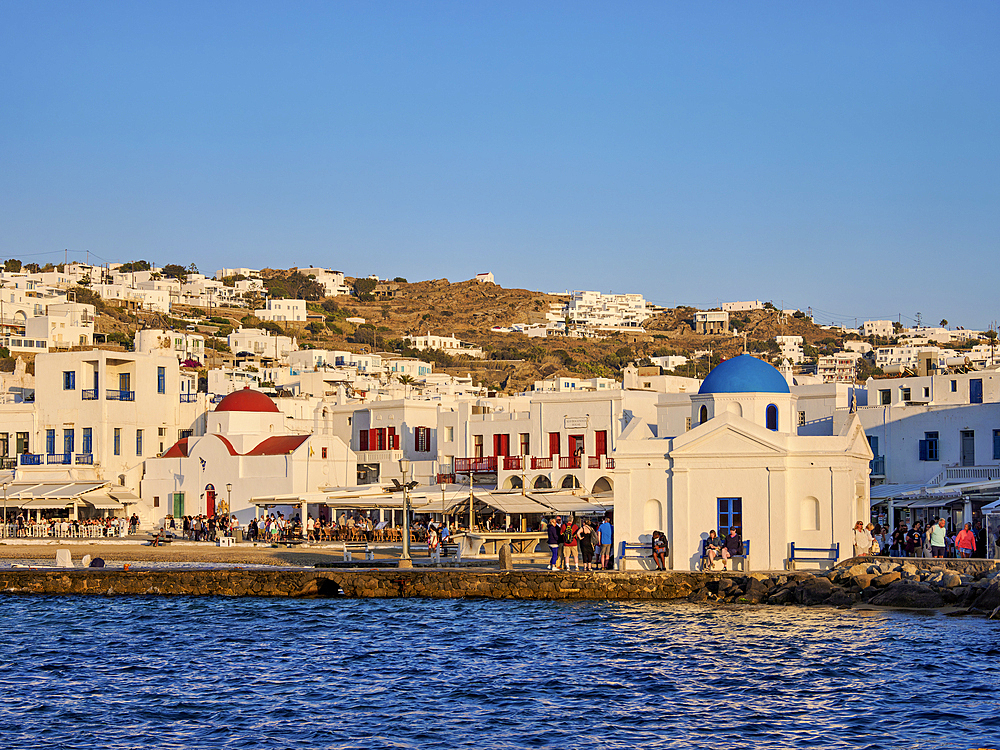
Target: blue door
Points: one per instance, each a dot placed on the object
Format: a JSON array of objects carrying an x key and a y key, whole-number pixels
[{"x": 976, "y": 391}]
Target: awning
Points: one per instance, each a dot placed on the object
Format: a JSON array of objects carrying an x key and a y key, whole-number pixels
[
  {"x": 45, "y": 503},
  {"x": 102, "y": 501},
  {"x": 123, "y": 496}
]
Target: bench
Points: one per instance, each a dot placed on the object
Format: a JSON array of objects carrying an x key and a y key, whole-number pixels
[
  {"x": 635, "y": 548},
  {"x": 741, "y": 557},
  {"x": 813, "y": 554},
  {"x": 350, "y": 547}
]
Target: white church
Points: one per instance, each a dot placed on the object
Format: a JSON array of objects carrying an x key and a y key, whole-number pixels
[
  {"x": 246, "y": 451},
  {"x": 731, "y": 455}
]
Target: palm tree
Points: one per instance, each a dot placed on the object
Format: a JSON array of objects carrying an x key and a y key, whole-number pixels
[{"x": 991, "y": 336}]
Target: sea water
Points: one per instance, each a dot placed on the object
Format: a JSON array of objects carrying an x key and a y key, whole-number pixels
[{"x": 187, "y": 672}]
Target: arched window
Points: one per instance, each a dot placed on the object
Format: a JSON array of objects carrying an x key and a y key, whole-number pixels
[
  {"x": 771, "y": 417},
  {"x": 703, "y": 415},
  {"x": 653, "y": 515}
]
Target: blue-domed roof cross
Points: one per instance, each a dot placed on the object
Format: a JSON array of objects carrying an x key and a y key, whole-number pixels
[{"x": 744, "y": 374}]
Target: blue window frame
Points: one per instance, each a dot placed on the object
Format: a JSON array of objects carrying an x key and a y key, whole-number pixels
[
  {"x": 771, "y": 417},
  {"x": 69, "y": 441},
  {"x": 88, "y": 440},
  {"x": 730, "y": 514},
  {"x": 929, "y": 448},
  {"x": 138, "y": 442},
  {"x": 69, "y": 380},
  {"x": 50, "y": 442},
  {"x": 161, "y": 379},
  {"x": 996, "y": 445},
  {"x": 118, "y": 441}
]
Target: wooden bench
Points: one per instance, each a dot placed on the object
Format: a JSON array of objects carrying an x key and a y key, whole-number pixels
[
  {"x": 813, "y": 554},
  {"x": 634, "y": 547},
  {"x": 741, "y": 557}
]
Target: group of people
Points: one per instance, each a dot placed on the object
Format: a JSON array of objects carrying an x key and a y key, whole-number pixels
[
  {"x": 71, "y": 528},
  {"x": 580, "y": 541},
  {"x": 938, "y": 539},
  {"x": 202, "y": 528},
  {"x": 721, "y": 548}
]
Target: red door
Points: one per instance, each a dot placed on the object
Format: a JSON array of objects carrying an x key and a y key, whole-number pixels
[
  {"x": 601, "y": 443},
  {"x": 501, "y": 445},
  {"x": 210, "y": 501},
  {"x": 553, "y": 444}
]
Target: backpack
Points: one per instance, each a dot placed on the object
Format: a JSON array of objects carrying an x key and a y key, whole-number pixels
[{"x": 567, "y": 535}]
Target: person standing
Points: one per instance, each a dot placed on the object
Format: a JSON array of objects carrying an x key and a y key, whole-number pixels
[
  {"x": 862, "y": 540},
  {"x": 584, "y": 536},
  {"x": 554, "y": 541},
  {"x": 965, "y": 541},
  {"x": 606, "y": 532},
  {"x": 570, "y": 544},
  {"x": 938, "y": 535}
]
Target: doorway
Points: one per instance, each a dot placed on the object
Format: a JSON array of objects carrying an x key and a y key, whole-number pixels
[{"x": 968, "y": 448}]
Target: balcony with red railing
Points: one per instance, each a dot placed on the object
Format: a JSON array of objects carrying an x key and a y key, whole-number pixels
[
  {"x": 487, "y": 464},
  {"x": 446, "y": 479},
  {"x": 513, "y": 463},
  {"x": 541, "y": 463},
  {"x": 600, "y": 462},
  {"x": 569, "y": 462}
]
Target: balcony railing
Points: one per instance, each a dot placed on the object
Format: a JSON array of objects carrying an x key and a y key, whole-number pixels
[
  {"x": 85, "y": 459},
  {"x": 446, "y": 479},
  {"x": 59, "y": 458},
  {"x": 8, "y": 462},
  {"x": 513, "y": 463},
  {"x": 120, "y": 395},
  {"x": 541, "y": 463},
  {"x": 30, "y": 459},
  {"x": 89, "y": 394},
  {"x": 379, "y": 457},
  {"x": 877, "y": 465},
  {"x": 189, "y": 398},
  {"x": 569, "y": 462},
  {"x": 482, "y": 465}
]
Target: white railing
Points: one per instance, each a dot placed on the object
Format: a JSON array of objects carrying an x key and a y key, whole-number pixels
[
  {"x": 61, "y": 530},
  {"x": 971, "y": 473}
]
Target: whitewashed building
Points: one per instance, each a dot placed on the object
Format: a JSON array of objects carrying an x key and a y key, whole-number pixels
[{"x": 283, "y": 311}]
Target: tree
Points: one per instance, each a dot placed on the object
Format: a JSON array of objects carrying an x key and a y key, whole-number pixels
[
  {"x": 175, "y": 271},
  {"x": 316, "y": 328},
  {"x": 400, "y": 280},
  {"x": 944, "y": 322},
  {"x": 12, "y": 264},
  {"x": 363, "y": 289},
  {"x": 134, "y": 265}
]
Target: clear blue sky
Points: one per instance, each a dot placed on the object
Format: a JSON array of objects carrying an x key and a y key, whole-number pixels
[{"x": 844, "y": 156}]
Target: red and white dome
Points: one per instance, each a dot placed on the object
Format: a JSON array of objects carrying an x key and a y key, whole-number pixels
[{"x": 247, "y": 400}]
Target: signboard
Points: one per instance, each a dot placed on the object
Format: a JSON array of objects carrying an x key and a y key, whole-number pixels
[{"x": 576, "y": 423}]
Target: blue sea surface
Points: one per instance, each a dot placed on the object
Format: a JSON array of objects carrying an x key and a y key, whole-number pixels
[{"x": 187, "y": 672}]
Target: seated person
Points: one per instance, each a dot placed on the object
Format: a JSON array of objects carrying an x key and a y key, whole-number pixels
[
  {"x": 732, "y": 546},
  {"x": 711, "y": 548},
  {"x": 659, "y": 544}
]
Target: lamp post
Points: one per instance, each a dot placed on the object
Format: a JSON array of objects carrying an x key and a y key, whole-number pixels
[
  {"x": 405, "y": 561},
  {"x": 229, "y": 506}
]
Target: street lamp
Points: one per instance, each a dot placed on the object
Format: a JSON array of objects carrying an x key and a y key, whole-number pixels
[
  {"x": 229, "y": 505},
  {"x": 405, "y": 561}
]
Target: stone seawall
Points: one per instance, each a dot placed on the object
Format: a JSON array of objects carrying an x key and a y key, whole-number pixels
[
  {"x": 442, "y": 584},
  {"x": 972, "y": 586}
]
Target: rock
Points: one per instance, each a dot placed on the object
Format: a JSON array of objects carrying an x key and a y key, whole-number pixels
[
  {"x": 863, "y": 580},
  {"x": 506, "y": 558},
  {"x": 950, "y": 580},
  {"x": 909, "y": 569},
  {"x": 995, "y": 614},
  {"x": 887, "y": 568},
  {"x": 909, "y": 595},
  {"x": 885, "y": 579},
  {"x": 989, "y": 597},
  {"x": 815, "y": 591},
  {"x": 699, "y": 596},
  {"x": 781, "y": 596},
  {"x": 857, "y": 570},
  {"x": 841, "y": 598}
]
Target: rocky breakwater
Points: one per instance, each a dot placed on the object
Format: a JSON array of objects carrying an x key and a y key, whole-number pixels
[{"x": 919, "y": 584}]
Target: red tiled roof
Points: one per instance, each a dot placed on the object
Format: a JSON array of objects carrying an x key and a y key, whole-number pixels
[
  {"x": 177, "y": 450},
  {"x": 278, "y": 445}
]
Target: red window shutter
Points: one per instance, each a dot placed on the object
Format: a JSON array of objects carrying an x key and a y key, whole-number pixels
[
  {"x": 373, "y": 439},
  {"x": 363, "y": 440},
  {"x": 601, "y": 440},
  {"x": 553, "y": 444}
]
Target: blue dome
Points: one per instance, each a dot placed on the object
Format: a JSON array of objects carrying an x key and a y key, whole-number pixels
[{"x": 744, "y": 374}]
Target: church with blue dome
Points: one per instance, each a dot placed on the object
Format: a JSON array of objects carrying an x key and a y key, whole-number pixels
[{"x": 741, "y": 453}]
